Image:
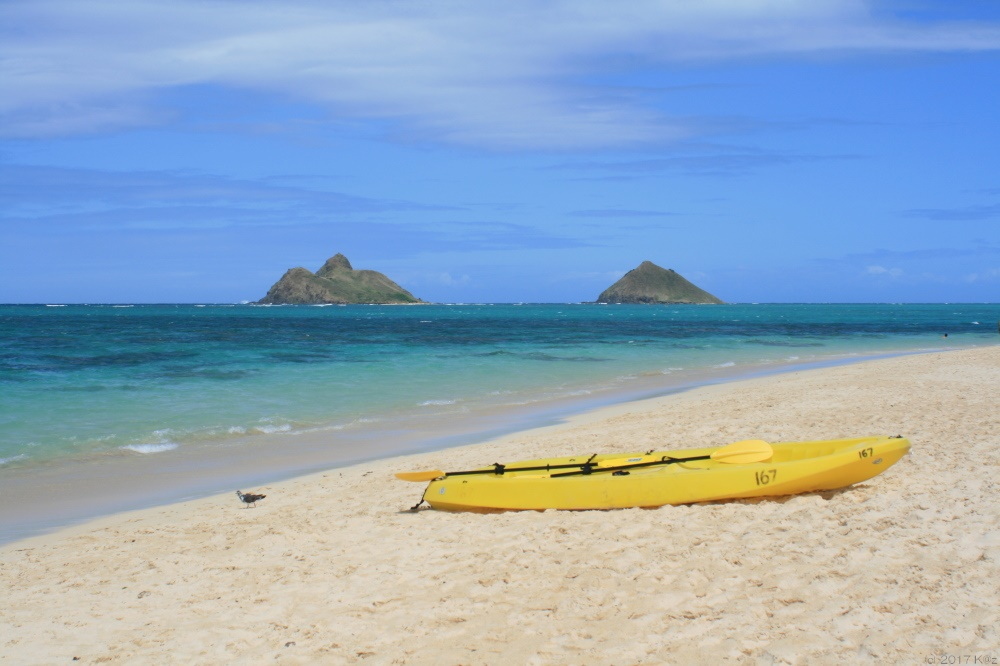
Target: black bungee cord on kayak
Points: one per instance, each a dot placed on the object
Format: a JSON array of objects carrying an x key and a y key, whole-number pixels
[
  {"x": 586, "y": 467},
  {"x": 500, "y": 469}
]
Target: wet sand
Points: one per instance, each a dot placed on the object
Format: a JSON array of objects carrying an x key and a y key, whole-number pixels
[{"x": 332, "y": 568}]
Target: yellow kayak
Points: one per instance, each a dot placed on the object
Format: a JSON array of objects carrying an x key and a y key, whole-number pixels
[{"x": 615, "y": 481}]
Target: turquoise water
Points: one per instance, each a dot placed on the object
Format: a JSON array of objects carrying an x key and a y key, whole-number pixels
[{"x": 79, "y": 382}]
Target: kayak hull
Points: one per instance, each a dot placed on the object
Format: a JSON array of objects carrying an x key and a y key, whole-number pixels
[{"x": 795, "y": 467}]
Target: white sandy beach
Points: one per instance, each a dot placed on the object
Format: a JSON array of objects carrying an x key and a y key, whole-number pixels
[{"x": 332, "y": 568}]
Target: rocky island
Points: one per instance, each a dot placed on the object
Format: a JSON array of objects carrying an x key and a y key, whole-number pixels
[
  {"x": 336, "y": 282},
  {"x": 650, "y": 283}
]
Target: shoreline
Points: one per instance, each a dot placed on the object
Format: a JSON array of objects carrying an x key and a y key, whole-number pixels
[
  {"x": 332, "y": 567},
  {"x": 107, "y": 484}
]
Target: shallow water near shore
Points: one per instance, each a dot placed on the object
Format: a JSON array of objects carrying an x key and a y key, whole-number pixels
[{"x": 156, "y": 403}]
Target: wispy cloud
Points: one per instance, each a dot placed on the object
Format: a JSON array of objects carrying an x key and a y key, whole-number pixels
[
  {"x": 174, "y": 199},
  {"x": 882, "y": 257},
  {"x": 618, "y": 213},
  {"x": 52, "y": 200},
  {"x": 925, "y": 266},
  {"x": 957, "y": 214},
  {"x": 505, "y": 75},
  {"x": 987, "y": 275},
  {"x": 882, "y": 270},
  {"x": 726, "y": 162},
  {"x": 487, "y": 235}
]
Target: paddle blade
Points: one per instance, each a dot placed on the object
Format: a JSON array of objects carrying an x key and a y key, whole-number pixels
[
  {"x": 747, "y": 451},
  {"x": 427, "y": 475}
]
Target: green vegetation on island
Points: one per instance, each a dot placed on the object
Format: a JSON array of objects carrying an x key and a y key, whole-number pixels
[
  {"x": 336, "y": 282},
  {"x": 650, "y": 283}
]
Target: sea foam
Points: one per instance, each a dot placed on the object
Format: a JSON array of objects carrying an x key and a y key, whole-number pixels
[{"x": 151, "y": 448}]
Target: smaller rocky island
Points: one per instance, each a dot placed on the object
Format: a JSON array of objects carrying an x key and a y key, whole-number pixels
[
  {"x": 336, "y": 283},
  {"x": 650, "y": 283}
]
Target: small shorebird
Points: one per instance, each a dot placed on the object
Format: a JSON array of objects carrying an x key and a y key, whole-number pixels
[{"x": 249, "y": 499}]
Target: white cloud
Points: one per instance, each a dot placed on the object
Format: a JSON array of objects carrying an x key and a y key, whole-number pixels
[
  {"x": 497, "y": 75},
  {"x": 987, "y": 275},
  {"x": 447, "y": 280},
  {"x": 882, "y": 270}
]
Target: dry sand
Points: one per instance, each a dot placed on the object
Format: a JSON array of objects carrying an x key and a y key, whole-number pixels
[{"x": 331, "y": 568}]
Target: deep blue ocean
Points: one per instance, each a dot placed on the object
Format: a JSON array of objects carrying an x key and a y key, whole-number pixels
[{"x": 81, "y": 382}]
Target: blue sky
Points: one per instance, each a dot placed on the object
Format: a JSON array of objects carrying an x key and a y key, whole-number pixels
[{"x": 768, "y": 150}]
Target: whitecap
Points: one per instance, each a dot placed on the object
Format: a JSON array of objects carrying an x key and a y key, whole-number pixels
[
  {"x": 272, "y": 429},
  {"x": 151, "y": 448},
  {"x": 728, "y": 364},
  {"x": 430, "y": 403},
  {"x": 20, "y": 456}
]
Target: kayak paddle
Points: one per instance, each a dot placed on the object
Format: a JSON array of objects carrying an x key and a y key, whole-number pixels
[
  {"x": 747, "y": 451},
  {"x": 739, "y": 453}
]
